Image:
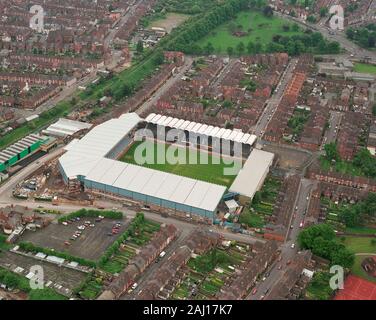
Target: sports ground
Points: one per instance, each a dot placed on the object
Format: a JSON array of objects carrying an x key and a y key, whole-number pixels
[
  {"x": 208, "y": 171},
  {"x": 356, "y": 288}
]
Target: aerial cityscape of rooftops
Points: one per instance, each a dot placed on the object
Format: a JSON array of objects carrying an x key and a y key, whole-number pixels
[{"x": 188, "y": 150}]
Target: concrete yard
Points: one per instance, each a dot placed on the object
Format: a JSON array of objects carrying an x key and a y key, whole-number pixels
[{"x": 90, "y": 245}]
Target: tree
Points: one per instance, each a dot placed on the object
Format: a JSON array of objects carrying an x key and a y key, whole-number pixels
[
  {"x": 251, "y": 49},
  {"x": 350, "y": 217},
  {"x": 324, "y": 11},
  {"x": 258, "y": 47},
  {"x": 230, "y": 51},
  {"x": 240, "y": 48},
  {"x": 286, "y": 27},
  {"x": 308, "y": 235},
  {"x": 295, "y": 27},
  {"x": 267, "y": 11},
  {"x": 374, "y": 110},
  {"x": 256, "y": 198},
  {"x": 139, "y": 47},
  {"x": 320, "y": 238},
  {"x": 209, "y": 49},
  {"x": 331, "y": 152},
  {"x": 311, "y": 18}
]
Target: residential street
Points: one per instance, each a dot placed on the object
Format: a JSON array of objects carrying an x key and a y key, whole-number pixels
[{"x": 287, "y": 252}]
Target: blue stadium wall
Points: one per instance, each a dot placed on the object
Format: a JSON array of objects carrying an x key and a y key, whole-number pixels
[
  {"x": 148, "y": 200},
  {"x": 63, "y": 174}
]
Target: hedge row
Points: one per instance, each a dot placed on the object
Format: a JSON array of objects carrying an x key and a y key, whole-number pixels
[
  {"x": 29, "y": 247},
  {"x": 114, "y": 248},
  {"x": 93, "y": 214}
]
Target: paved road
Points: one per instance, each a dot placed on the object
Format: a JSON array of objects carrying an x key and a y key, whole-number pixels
[
  {"x": 273, "y": 102},
  {"x": 334, "y": 123},
  {"x": 287, "y": 252},
  {"x": 338, "y": 36},
  {"x": 123, "y": 20}
]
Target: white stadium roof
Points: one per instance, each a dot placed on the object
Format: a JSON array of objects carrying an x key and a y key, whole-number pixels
[
  {"x": 87, "y": 158},
  {"x": 203, "y": 129},
  {"x": 253, "y": 173},
  {"x": 83, "y": 154}
]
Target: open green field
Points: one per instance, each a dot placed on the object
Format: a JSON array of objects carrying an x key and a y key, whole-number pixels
[
  {"x": 258, "y": 28},
  {"x": 209, "y": 172},
  {"x": 361, "y": 230},
  {"x": 359, "y": 244},
  {"x": 358, "y": 270},
  {"x": 365, "y": 68}
]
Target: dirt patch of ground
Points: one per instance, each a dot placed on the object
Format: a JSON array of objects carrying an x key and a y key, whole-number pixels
[
  {"x": 171, "y": 21},
  {"x": 288, "y": 158}
]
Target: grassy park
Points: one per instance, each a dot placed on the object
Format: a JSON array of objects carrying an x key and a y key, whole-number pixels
[
  {"x": 365, "y": 68},
  {"x": 254, "y": 26}
]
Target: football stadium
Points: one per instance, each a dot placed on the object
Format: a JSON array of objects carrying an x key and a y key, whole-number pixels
[{"x": 103, "y": 162}]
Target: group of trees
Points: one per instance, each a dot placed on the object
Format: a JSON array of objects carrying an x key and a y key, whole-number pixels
[
  {"x": 184, "y": 6},
  {"x": 92, "y": 214},
  {"x": 197, "y": 28},
  {"x": 363, "y": 160},
  {"x": 360, "y": 212},
  {"x": 364, "y": 36},
  {"x": 366, "y": 162},
  {"x": 331, "y": 152},
  {"x": 308, "y": 42},
  {"x": 321, "y": 240}
]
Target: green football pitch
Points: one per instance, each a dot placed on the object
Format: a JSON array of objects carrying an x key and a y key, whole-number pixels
[{"x": 212, "y": 170}]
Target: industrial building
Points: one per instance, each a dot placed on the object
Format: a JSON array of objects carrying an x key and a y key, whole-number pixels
[
  {"x": 21, "y": 149},
  {"x": 252, "y": 176},
  {"x": 92, "y": 162},
  {"x": 65, "y": 127}
]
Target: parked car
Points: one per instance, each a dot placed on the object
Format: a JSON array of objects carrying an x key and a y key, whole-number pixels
[
  {"x": 65, "y": 223},
  {"x": 67, "y": 243},
  {"x": 254, "y": 291}
]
